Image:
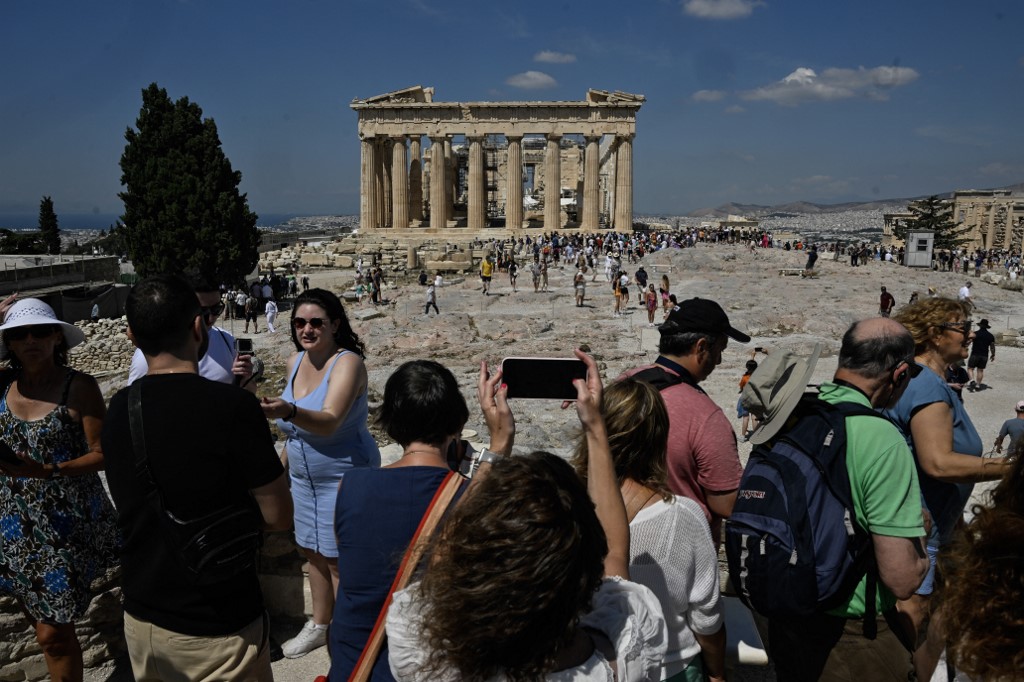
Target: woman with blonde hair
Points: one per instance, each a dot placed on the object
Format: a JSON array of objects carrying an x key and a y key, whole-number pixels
[
  {"x": 670, "y": 546},
  {"x": 945, "y": 444}
]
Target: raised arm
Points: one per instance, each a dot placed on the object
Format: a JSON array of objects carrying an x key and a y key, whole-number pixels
[
  {"x": 346, "y": 383},
  {"x": 601, "y": 481}
]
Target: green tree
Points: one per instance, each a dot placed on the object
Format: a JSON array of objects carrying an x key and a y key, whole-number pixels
[
  {"x": 48, "y": 228},
  {"x": 935, "y": 214},
  {"x": 182, "y": 209}
]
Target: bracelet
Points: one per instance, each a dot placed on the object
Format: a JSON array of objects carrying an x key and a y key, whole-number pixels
[
  {"x": 291, "y": 415},
  {"x": 469, "y": 465}
]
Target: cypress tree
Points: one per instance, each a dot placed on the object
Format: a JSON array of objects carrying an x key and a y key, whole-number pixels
[
  {"x": 48, "y": 227},
  {"x": 183, "y": 212}
]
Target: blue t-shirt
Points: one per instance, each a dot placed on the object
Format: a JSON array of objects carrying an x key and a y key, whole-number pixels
[{"x": 944, "y": 501}]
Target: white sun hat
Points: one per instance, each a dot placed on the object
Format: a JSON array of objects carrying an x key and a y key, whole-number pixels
[{"x": 28, "y": 312}]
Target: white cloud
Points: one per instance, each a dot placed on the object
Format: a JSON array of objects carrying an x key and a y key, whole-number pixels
[
  {"x": 708, "y": 95},
  {"x": 805, "y": 85},
  {"x": 552, "y": 57},
  {"x": 531, "y": 80},
  {"x": 734, "y": 109},
  {"x": 720, "y": 9}
]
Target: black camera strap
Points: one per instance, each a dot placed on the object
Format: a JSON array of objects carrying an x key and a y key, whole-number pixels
[{"x": 142, "y": 470}]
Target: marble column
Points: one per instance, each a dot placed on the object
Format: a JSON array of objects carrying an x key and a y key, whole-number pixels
[
  {"x": 476, "y": 213},
  {"x": 990, "y": 236},
  {"x": 591, "y": 182},
  {"x": 399, "y": 184},
  {"x": 438, "y": 184},
  {"x": 451, "y": 176},
  {"x": 624, "y": 184},
  {"x": 415, "y": 179},
  {"x": 553, "y": 183},
  {"x": 387, "y": 218},
  {"x": 378, "y": 183},
  {"x": 367, "y": 184},
  {"x": 514, "y": 191}
]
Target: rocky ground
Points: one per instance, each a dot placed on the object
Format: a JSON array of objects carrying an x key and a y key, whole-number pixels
[{"x": 779, "y": 312}]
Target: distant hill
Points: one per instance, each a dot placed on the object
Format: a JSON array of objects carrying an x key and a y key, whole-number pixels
[{"x": 810, "y": 208}]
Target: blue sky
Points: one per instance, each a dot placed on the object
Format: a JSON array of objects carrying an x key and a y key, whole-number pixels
[{"x": 747, "y": 101}]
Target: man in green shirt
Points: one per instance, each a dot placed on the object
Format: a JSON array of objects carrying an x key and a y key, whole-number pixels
[{"x": 876, "y": 362}]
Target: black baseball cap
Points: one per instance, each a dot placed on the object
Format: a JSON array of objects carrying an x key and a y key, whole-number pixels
[{"x": 701, "y": 315}]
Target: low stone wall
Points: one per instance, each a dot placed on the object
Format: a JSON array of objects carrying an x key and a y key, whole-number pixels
[{"x": 106, "y": 350}]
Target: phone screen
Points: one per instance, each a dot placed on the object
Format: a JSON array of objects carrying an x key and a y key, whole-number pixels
[
  {"x": 542, "y": 378},
  {"x": 243, "y": 346}
]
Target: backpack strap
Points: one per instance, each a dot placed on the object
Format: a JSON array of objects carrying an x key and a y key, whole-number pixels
[{"x": 661, "y": 379}]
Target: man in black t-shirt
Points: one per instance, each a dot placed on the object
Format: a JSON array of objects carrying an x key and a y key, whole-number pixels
[
  {"x": 983, "y": 348},
  {"x": 208, "y": 446}
]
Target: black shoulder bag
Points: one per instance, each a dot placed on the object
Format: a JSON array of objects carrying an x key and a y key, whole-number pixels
[{"x": 212, "y": 548}]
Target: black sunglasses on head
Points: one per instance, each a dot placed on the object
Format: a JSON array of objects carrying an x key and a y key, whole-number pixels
[{"x": 38, "y": 331}]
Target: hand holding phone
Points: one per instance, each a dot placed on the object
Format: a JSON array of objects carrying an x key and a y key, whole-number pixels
[{"x": 243, "y": 346}]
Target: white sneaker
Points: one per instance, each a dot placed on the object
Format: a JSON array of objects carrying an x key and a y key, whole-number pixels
[{"x": 310, "y": 637}]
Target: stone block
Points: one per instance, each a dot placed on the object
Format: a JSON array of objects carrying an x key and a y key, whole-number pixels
[
  {"x": 343, "y": 261},
  {"x": 367, "y": 314},
  {"x": 314, "y": 260}
]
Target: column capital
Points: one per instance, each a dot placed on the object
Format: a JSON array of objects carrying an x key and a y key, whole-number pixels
[
  {"x": 553, "y": 137},
  {"x": 627, "y": 138},
  {"x": 592, "y": 138},
  {"x": 515, "y": 138},
  {"x": 396, "y": 138}
]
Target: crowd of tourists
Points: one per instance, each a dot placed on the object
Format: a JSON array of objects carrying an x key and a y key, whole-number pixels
[{"x": 454, "y": 563}]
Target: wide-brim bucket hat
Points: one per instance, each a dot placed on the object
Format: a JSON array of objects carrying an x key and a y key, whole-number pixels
[
  {"x": 29, "y": 312},
  {"x": 775, "y": 388}
]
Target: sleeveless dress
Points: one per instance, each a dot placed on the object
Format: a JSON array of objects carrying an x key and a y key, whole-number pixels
[
  {"x": 58, "y": 534},
  {"x": 316, "y": 464}
]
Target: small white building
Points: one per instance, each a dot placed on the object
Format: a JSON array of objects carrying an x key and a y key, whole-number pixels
[{"x": 919, "y": 245}]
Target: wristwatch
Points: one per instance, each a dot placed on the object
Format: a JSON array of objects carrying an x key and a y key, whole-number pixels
[{"x": 470, "y": 464}]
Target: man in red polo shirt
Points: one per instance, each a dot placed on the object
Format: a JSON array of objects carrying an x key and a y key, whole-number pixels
[{"x": 703, "y": 461}]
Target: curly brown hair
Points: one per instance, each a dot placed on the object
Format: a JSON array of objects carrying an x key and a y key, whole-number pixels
[
  {"x": 922, "y": 318},
  {"x": 982, "y": 592},
  {"x": 637, "y": 425},
  {"x": 511, "y": 572}
]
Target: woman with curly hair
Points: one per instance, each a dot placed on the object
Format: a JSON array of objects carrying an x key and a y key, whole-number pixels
[
  {"x": 513, "y": 587},
  {"x": 670, "y": 545},
  {"x": 983, "y": 584},
  {"x": 322, "y": 412},
  {"x": 945, "y": 444}
]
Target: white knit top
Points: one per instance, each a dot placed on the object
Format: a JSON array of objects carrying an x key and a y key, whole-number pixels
[{"x": 671, "y": 552}]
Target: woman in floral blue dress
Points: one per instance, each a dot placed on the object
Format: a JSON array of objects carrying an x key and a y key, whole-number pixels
[{"x": 56, "y": 522}]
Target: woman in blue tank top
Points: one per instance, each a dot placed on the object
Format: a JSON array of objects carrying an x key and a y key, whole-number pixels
[{"x": 323, "y": 412}]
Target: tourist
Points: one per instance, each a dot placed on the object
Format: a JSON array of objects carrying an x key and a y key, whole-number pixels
[
  {"x": 617, "y": 293},
  {"x": 748, "y": 422},
  {"x": 535, "y": 274},
  {"x": 579, "y": 283},
  {"x": 513, "y": 274},
  {"x": 512, "y": 586},
  {"x": 640, "y": 277},
  {"x": 624, "y": 289},
  {"x": 543, "y": 274},
  {"x": 1014, "y": 428},
  {"x": 431, "y": 301},
  {"x": 206, "y": 450},
  {"x": 378, "y": 510},
  {"x": 964, "y": 296},
  {"x": 252, "y": 311},
  {"x": 664, "y": 292},
  {"x": 812, "y": 257},
  {"x": 271, "y": 312},
  {"x": 322, "y": 413},
  {"x": 942, "y": 437},
  {"x": 983, "y": 351},
  {"x": 703, "y": 461},
  {"x": 486, "y": 271},
  {"x": 651, "y": 303},
  {"x": 58, "y": 526},
  {"x": 670, "y": 546},
  {"x": 957, "y": 378},
  {"x": 982, "y": 577},
  {"x": 886, "y": 303},
  {"x": 219, "y": 361}
]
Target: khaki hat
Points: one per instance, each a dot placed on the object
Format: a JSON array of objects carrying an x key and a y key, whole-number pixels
[{"x": 775, "y": 388}]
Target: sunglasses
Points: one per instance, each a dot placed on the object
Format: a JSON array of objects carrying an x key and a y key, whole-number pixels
[
  {"x": 209, "y": 311},
  {"x": 962, "y": 327},
  {"x": 314, "y": 322},
  {"x": 38, "y": 331}
]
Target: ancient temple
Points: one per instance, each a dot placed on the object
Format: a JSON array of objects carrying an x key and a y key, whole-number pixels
[{"x": 512, "y": 165}]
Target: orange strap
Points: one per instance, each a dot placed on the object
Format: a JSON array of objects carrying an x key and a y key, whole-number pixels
[{"x": 435, "y": 510}]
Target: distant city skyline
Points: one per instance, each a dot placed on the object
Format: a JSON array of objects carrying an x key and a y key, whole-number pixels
[{"x": 748, "y": 101}]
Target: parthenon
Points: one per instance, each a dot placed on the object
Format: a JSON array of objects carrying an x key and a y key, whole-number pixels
[{"x": 495, "y": 164}]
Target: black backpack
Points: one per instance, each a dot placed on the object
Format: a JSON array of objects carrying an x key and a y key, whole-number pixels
[{"x": 793, "y": 542}]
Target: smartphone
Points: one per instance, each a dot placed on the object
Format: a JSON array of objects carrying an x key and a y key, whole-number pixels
[
  {"x": 542, "y": 378},
  {"x": 8, "y": 457},
  {"x": 243, "y": 346}
]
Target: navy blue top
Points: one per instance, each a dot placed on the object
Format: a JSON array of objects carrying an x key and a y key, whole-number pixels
[{"x": 376, "y": 516}]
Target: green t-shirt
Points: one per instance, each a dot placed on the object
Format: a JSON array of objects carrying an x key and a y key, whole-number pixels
[{"x": 883, "y": 480}]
